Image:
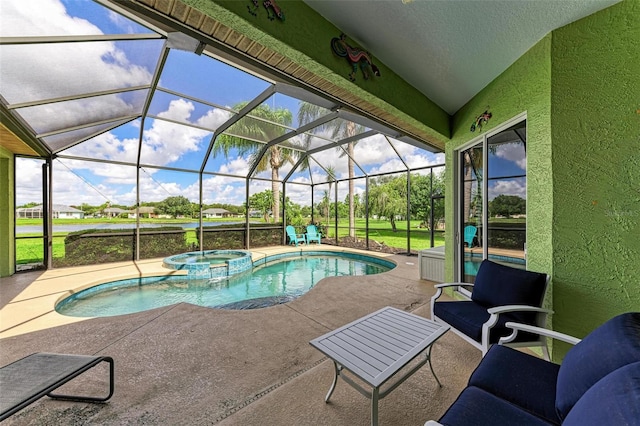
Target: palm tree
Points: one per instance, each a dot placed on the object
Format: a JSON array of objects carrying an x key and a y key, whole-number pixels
[
  {"x": 331, "y": 178},
  {"x": 243, "y": 137},
  {"x": 340, "y": 129}
]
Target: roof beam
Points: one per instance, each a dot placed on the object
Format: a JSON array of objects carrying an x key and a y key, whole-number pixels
[{"x": 78, "y": 38}]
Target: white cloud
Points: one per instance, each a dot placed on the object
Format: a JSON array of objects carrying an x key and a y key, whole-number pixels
[
  {"x": 508, "y": 187},
  {"x": 237, "y": 166},
  {"x": 25, "y": 18},
  {"x": 513, "y": 152},
  {"x": 167, "y": 142},
  {"x": 107, "y": 146},
  {"x": 213, "y": 118},
  {"x": 28, "y": 181}
]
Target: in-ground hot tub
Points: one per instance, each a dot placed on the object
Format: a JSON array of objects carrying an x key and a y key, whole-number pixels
[{"x": 210, "y": 263}]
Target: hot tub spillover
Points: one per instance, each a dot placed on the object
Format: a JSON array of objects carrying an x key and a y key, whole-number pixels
[{"x": 210, "y": 263}]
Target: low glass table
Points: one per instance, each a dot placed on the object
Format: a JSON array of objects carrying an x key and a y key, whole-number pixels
[{"x": 376, "y": 347}]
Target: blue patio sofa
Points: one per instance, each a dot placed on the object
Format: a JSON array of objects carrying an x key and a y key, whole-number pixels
[{"x": 598, "y": 382}]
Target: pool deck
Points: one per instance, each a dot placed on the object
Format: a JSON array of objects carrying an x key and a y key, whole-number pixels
[{"x": 189, "y": 365}]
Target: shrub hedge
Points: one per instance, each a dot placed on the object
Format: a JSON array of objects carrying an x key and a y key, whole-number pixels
[{"x": 96, "y": 246}]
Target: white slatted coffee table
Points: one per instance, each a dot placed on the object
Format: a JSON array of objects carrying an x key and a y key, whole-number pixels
[{"x": 376, "y": 347}]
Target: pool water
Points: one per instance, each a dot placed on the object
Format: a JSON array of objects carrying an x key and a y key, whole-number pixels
[{"x": 287, "y": 277}]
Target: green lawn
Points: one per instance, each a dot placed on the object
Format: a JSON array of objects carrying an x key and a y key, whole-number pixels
[{"x": 382, "y": 232}]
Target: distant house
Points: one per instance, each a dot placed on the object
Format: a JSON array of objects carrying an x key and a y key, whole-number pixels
[
  {"x": 60, "y": 211},
  {"x": 145, "y": 211},
  {"x": 114, "y": 211},
  {"x": 216, "y": 213}
]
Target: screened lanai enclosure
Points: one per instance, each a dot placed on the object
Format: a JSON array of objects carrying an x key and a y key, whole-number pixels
[{"x": 149, "y": 135}]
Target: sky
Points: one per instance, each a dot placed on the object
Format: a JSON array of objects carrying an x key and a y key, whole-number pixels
[{"x": 209, "y": 91}]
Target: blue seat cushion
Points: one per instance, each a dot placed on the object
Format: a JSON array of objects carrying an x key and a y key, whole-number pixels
[
  {"x": 499, "y": 285},
  {"x": 467, "y": 317},
  {"x": 524, "y": 380},
  {"x": 478, "y": 407},
  {"x": 614, "y": 344},
  {"x": 613, "y": 400}
]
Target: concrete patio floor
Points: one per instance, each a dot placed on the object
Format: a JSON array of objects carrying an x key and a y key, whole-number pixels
[{"x": 190, "y": 365}]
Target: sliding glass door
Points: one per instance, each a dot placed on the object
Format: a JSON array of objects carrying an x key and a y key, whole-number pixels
[{"x": 491, "y": 209}]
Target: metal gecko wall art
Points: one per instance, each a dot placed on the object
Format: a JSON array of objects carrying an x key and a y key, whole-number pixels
[
  {"x": 355, "y": 56},
  {"x": 273, "y": 10},
  {"x": 481, "y": 120}
]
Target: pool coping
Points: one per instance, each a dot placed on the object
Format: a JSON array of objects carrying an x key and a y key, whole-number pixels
[
  {"x": 245, "y": 263},
  {"x": 34, "y": 308}
]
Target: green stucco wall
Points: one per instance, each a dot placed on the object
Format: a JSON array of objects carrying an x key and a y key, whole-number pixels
[
  {"x": 580, "y": 88},
  {"x": 7, "y": 209},
  {"x": 595, "y": 105},
  {"x": 305, "y": 38},
  {"x": 523, "y": 87}
]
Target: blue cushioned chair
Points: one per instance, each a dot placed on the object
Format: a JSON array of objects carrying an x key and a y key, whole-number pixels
[
  {"x": 293, "y": 237},
  {"x": 500, "y": 294},
  {"x": 598, "y": 382}
]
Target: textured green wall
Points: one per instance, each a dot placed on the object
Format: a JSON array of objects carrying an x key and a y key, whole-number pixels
[
  {"x": 7, "y": 207},
  {"x": 523, "y": 87},
  {"x": 596, "y": 168},
  {"x": 580, "y": 88},
  {"x": 305, "y": 38}
]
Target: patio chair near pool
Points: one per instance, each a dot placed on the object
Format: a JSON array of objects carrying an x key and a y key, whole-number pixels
[
  {"x": 295, "y": 238},
  {"x": 470, "y": 232},
  {"x": 500, "y": 294},
  {"x": 313, "y": 234}
]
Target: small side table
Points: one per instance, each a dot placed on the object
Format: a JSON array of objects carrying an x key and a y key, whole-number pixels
[{"x": 376, "y": 347}]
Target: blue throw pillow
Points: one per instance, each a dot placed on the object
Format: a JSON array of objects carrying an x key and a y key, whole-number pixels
[
  {"x": 499, "y": 285},
  {"x": 614, "y": 400},
  {"x": 614, "y": 344}
]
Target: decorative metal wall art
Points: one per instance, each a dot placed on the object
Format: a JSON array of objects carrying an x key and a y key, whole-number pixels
[
  {"x": 355, "y": 56},
  {"x": 481, "y": 120},
  {"x": 273, "y": 10}
]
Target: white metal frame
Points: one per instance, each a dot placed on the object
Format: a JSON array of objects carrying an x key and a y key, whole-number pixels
[{"x": 458, "y": 185}]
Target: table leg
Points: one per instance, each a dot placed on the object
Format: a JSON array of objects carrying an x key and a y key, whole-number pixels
[
  {"x": 336, "y": 369},
  {"x": 431, "y": 366},
  {"x": 374, "y": 406}
]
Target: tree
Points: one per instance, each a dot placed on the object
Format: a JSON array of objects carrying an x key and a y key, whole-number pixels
[
  {"x": 422, "y": 190},
  {"x": 175, "y": 206},
  {"x": 358, "y": 205},
  {"x": 294, "y": 213},
  {"x": 29, "y": 205},
  {"x": 388, "y": 199},
  {"x": 324, "y": 205},
  {"x": 331, "y": 178},
  {"x": 262, "y": 201},
  {"x": 244, "y": 136},
  {"x": 340, "y": 129},
  {"x": 507, "y": 205}
]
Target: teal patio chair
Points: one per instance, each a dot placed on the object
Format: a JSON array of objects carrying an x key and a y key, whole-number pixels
[
  {"x": 293, "y": 237},
  {"x": 313, "y": 234},
  {"x": 470, "y": 232}
]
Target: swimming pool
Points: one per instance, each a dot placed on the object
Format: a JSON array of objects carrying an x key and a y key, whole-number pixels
[{"x": 274, "y": 279}]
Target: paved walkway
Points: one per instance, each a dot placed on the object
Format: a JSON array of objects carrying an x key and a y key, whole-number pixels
[{"x": 189, "y": 365}]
